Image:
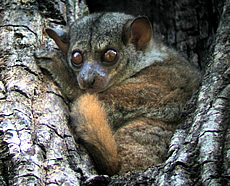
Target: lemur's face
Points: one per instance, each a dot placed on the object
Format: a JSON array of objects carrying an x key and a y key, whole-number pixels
[
  {"x": 103, "y": 49},
  {"x": 97, "y": 57}
]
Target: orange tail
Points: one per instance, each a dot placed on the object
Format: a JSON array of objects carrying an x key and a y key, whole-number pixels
[{"x": 95, "y": 132}]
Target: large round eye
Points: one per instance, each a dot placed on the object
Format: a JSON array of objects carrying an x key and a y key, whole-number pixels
[
  {"x": 77, "y": 58},
  {"x": 110, "y": 56}
]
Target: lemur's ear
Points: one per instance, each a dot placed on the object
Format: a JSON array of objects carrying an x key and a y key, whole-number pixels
[
  {"x": 138, "y": 32},
  {"x": 60, "y": 38}
]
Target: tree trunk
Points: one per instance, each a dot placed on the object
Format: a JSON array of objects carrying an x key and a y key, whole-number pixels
[{"x": 36, "y": 147}]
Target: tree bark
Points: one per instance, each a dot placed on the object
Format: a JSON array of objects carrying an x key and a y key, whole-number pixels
[{"x": 36, "y": 147}]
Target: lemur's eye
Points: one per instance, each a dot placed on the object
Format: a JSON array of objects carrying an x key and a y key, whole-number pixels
[
  {"x": 77, "y": 58},
  {"x": 110, "y": 56}
]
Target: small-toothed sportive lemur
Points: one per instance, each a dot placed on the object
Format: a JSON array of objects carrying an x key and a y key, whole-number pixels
[{"x": 126, "y": 90}]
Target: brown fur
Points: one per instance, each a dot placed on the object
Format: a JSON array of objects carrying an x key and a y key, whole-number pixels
[
  {"x": 138, "y": 97},
  {"x": 142, "y": 143},
  {"x": 95, "y": 130}
]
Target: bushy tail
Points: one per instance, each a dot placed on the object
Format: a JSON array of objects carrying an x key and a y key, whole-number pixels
[{"x": 89, "y": 122}]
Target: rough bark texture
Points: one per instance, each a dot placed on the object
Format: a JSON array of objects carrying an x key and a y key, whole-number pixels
[{"x": 36, "y": 147}]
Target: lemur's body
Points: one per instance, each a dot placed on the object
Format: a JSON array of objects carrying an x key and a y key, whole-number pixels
[{"x": 127, "y": 90}]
